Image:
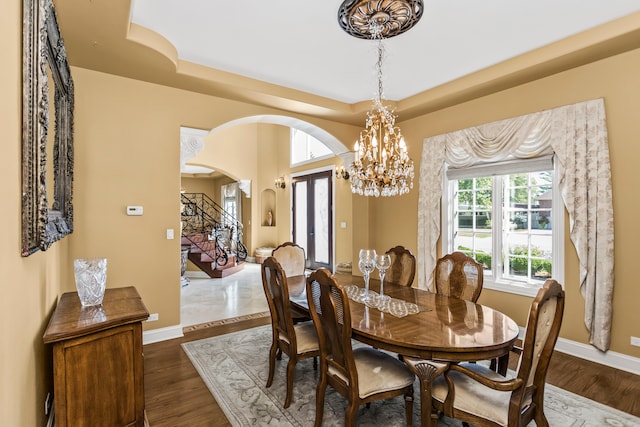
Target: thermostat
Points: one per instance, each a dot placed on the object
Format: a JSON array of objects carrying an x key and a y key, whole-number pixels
[{"x": 134, "y": 210}]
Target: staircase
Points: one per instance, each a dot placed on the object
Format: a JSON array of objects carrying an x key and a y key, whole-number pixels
[
  {"x": 202, "y": 252},
  {"x": 213, "y": 237}
]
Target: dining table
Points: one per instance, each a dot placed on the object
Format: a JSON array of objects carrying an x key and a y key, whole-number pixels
[{"x": 440, "y": 329}]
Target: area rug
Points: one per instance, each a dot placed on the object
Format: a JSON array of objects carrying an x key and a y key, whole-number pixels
[
  {"x": 225, "y": 321},
  {"x": 235, "y": 368}
]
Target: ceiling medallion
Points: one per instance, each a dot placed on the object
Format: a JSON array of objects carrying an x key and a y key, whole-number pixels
[{"x": 363, "y": 18}]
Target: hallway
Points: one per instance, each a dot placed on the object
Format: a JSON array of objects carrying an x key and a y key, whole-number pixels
[{"x": 206, "y": 300}]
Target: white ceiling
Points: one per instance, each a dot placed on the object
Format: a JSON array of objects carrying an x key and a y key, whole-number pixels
[{"x": 299, "y": 44}]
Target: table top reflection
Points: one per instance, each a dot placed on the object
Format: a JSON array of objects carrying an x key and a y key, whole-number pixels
[{"x": 446, "y": 329}]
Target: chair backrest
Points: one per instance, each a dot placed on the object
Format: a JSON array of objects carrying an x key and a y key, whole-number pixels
[
  {"x": 274, "y": 282},
  {"x": 403, "y": 266},
  {"x": 459, "y": 276},
  {"x": 291, "y": 257},
  {"x": 543, "y": 327},
  {"x": 329, "y": 307}
]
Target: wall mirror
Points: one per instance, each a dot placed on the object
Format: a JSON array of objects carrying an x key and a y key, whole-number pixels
[{"x": 47, "y": 130}]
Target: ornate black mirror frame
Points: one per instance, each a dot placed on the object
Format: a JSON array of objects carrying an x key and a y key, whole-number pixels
[{"x": 46, "y": 218}]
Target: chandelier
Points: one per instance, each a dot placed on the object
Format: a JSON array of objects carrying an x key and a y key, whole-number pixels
[{"x": 382, "y": 166}]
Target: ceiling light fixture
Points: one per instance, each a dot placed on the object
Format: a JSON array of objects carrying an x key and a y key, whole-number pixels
[{"x": 382, "y": 166}]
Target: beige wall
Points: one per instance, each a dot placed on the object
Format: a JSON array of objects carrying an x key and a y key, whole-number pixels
[
  {"x": 208, "y": 186},
  {"x": 614, "y": 79}
]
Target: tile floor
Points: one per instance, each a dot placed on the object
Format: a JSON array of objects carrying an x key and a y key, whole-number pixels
[{"x": 205, "y": 300}]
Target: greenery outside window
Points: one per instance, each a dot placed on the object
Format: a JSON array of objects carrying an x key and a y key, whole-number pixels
[
  {"x": 510, "y": 218},
  {"x": 306, "y": 148}
]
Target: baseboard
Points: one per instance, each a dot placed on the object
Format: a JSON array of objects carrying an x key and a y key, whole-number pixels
[
  {"x": 162, "y": 334},
  {"x": 587, "y": 352},
  {"x": 610, "y": 358},
  {"x": 196, "y": 274}
]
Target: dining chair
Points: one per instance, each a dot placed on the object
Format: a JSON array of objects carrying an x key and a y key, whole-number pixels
[
  {"x": 459, "y": 276},
  {"x": 292, "y": 258},
  {"x": 361, "y": 375},
  {"x": 403, "y": 266},
  {"x": 298, "y": 341},
  {"x": 477, "y": 395}
]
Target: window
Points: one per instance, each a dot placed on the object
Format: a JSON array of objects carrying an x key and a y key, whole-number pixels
[
  {"x": 503, "y": 216},
  {"x": 306, "y": 148}
]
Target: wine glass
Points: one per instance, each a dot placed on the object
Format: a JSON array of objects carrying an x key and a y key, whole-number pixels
[
  {"x": 383, "y": 262},
  {"x": 366, "y": 265}
]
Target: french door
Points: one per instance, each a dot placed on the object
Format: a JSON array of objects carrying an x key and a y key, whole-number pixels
[{"x": 312, "y": 218}]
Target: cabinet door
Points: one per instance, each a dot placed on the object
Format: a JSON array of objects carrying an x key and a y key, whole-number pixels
[{"x": 99, "y": 378}]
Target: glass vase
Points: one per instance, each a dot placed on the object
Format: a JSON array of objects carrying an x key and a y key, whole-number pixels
[{"x": 91, "y": 280}]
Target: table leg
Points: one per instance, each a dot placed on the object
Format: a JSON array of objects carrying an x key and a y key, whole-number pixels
[
  {"x": 426, "y": 371},
  {"x": 503, "y": 364}
]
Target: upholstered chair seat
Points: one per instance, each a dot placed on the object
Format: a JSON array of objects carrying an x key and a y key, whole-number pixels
[
  {"x": 377, "y": 372},
  {"x": 474, "y": 398},
  {"x": 306, "y": 337}
]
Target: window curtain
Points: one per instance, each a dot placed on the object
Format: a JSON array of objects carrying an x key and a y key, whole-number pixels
[{"x": 577, "y": 137}]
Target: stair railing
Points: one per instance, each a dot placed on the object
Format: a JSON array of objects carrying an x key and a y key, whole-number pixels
[{"x": 201, "y": 214}]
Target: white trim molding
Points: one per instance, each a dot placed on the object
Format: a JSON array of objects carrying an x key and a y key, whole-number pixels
[
  {"x": 162, "y": 334},
  {"x": 610, "y": 358}
]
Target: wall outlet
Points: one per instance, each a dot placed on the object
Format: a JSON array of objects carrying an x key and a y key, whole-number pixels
[
  {"x": 152, "y": 317},
  {"x": 635, "y": 341}
]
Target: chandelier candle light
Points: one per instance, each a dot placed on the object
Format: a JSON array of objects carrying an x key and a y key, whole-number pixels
[{"x": 382, "y": 166}]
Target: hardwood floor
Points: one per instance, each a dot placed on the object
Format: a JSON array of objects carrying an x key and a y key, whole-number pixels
[{"x": 175, "y": 395}]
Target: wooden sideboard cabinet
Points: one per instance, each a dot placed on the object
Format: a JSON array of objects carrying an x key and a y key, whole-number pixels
[{"x": 98, "y": 371}]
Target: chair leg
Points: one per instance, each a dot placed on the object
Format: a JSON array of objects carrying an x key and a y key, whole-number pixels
[
  {"x": 408, "y": 407},
  {"x": 541, "y": 419},
  {"x": 291, "y": 366},
  {"x": 350, "y": 414},
  {"x": 272, "y": 364},
  {"x": 320, "y": 391}
]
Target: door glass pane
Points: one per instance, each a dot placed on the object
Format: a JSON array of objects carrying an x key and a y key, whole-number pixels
[
  {"x": 300, "y": 225},
  {"x": 321, "y": 225}
]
